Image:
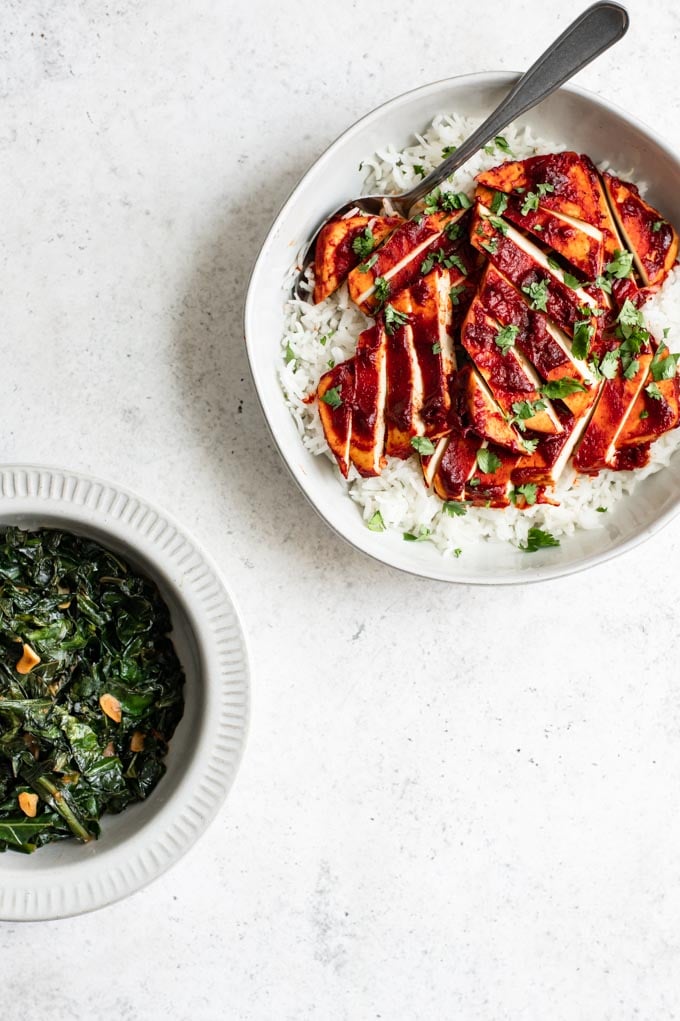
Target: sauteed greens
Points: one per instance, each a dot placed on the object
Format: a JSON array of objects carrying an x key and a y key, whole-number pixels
[{"x": 90, "y": 687}]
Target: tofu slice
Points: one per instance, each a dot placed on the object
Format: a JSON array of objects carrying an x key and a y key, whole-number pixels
[
  {"x": 492, "y": 489},
  {"x": 597, "y": 449},
  {"x": 336, "y": 418},
  {"x": 656, "y": 410},
  {"x": 431, "y": 324},
  {"x": 370, "y": 390},
  {"x": 652, "y": 239},
  {"x": 546, "y": 464},
  {"x": 404, "y": 383},
  {"x": 579, "y": 243},
  {"x": 334, "y": 255},
  {"x": 456, "y": 465},
  {"x": 484, "y": 414},
  {"x": 543, "y": 344},
  {"x": 525, "y": 265},
  {"x": 509, "y": 376},
  {"x": 399, "y": 260},
  {"x": 577, "y": 190}
]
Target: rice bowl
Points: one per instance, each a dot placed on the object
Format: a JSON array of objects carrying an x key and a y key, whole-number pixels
[{"x": 650, "y": 496}]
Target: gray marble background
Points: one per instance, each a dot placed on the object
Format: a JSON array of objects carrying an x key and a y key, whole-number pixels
[{"x": 455, "y": 803}]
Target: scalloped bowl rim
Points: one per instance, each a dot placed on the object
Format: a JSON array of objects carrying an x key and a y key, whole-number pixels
[
  {"x": 265, "y": 291},
  {"x": 135, "y": 847}
]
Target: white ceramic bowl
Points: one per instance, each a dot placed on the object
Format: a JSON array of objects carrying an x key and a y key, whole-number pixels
[
  {"x": 585, "y": 123},
  {"x": 66, "y": 878}
]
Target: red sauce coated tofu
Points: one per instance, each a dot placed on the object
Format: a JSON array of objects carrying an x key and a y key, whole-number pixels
[
  {"x": 368, "y": 412},
  {"x": 651, "y": 238},
  {"x": 334, "y": 255},
  {"x": 337, "y": 386}
]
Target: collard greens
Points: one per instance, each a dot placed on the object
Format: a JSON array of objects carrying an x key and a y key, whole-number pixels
[{"x": 87, "y": 727}]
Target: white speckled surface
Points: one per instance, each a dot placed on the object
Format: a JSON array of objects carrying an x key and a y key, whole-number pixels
[{"x": 455, "y": 803}]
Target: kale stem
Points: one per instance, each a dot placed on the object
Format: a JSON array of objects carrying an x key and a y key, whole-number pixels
[{"x": 57, "y": 799}]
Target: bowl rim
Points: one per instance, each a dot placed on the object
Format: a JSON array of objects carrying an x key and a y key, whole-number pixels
[
  {"x": 47, "y": 496},
  {"x": 546, "y": 572}
]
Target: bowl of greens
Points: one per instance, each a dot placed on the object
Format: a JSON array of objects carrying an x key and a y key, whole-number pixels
[{"x": 123, "y": 692}]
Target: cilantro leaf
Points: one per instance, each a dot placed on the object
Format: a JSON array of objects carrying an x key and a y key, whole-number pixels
[
  {"x": 583, "y": 332},
  {"x": 488, "y": 462},
  {"x": 376, "y": 523},
  {"x": 530, "y": 204},
  {"x": 394, "y": 319},
  {"x": 529, "y": 491},
  {"x": 558, "y": 388},
  {"x": 653, "y": 390},
  {"x": 332, "y": 397},
  {"x": 664, "y": 364},
  {"x": 448, "y": 150},
  {"x": 499, "y": 203},
  {"x": 537, "y": 539},
  {"x": 422, "y": 444},
  {"x": 571, "y": 281},
  {"x": 499, "y": 224},
  {"x": 609, "y": 364},
  {"x": 538, "y": 293},
  {"x": 382, "y": 290},
  {"x": 455, "y": 293},
  {"x": 289, "y": 355},
  {"x": 453, "y": 200},
  {"x": 502, "y": 144},
  {"x": 505, "y": 337},
  {"x": 620, "y": 266},
  {"x": 455, "y": 508},
  {"x": 364, "y": 243},
  {"x": 657, "y": 225},
  {"x": 423, "y": 534},
  {"x": 419, "y": 170},
  {"x": 365, "y": 266},
  {"x": 544, "y": 189}
]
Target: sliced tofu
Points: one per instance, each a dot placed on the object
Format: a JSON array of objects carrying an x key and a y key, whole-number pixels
[
  {"x": 430, "y": 462},
  {"x": 492, "y": 489},
  {"x": 336, "y": 411},
  {"x": 508, "y": 375},
  {"x": 656, "y": 410},
  {"x": 457, "y": 463},
  {"x": 370, "y": 391},
  {"x": 398, "y": 262},
  {"x": 484, "y": 414},
  {"x": 431, "y": 323},
  {"x": 597, "y": 449},
  {"x": 579, "y": 243},
  {"x": 652, "y": 239},
  {"x": 544, "y": 345},
  {"x": 576, "y": 189},
  {"x": 527, "y": 267},
  {"x": 545, "y": 465},
  {"x": 335, "y": 254},
  {"x": 404, "y": 383}
]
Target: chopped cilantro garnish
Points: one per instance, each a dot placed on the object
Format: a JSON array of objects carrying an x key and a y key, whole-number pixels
[
  {"x": 488, "y": 462},
  {"x": 620, "y": 266},
  {"x": 455, "y": 293},
  {"x": 376, "y": 523},
  {"x": 530, "y": 203},
  {"x": 502, "y": 144},
  {"x": 490, "y": 246},
  {"x": 601, "y": 510},
  {"x": 436, "y": 348},
  {"x": 529, "y": 445},
  {"x": 453, "y": 230},
  {"x": 664, "y": 364},
  {"x": 455, "y": 508},
  {"x": 529, "y": 491},
  {"x": 571, "y": 281},
  {"x": 499, "y": 224},
  {"x": 289, "y": 355},
  {"x": 538, "y": 293},
  {"x": 583, "y": 332},
  {"x": 524, "y": 410},
  {"x": 331, "y": 363},
  {"x": 448, "y": 150},
  {"x": 382, "y": 290},
  {"x": 427, "y": 263},
  {"x": 657, "y": 225},
  {"x": 457, "y": 552},
  {"x": 332, "y": 397},
  {"x": 609, "y": 364},
  {"x": 544, "y": 189},
  {"x": 364, "y": 243},
  {"x": 419, "y": 170},
  {"x": 432, "y": 201},
  {"x": 653, "y": 390},
  {"x": 365, "y": 266},
  {"x": 604, "y": 284},
  {"x": 644, "y": 414},
  {"x": 505, "y": 337},
  {"x": 452, "y": 200},
  {"x": 538, "y": 539},
  {"x": 394, "y": 319},
  {"x": 499, "y": 203},
  {"x": 423, "y": 534},
  {"x": 422, "y": 444},
  {"x": 558, "y": 388}
]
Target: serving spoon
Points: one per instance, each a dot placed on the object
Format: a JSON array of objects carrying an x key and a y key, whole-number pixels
[{"x": 593, "y": 32}]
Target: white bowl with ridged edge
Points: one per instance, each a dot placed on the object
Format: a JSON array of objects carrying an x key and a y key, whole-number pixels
[
  {"x": 68, "y": 878},
  {"x": 581, "y": 121}
]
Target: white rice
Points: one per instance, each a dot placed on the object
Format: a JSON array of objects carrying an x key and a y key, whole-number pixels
[{"x": 316, "y": 335}]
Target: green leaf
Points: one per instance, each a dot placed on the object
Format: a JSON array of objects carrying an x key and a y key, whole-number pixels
[
  {"x": 502, "y": 144},
  {"x": 664, "y": 365},
  {"x": 500, "y": 225},
  {"x": 382, "y": 290},
  {"x": 505, "y": 337},
  {"x": 453, "y": 230},
  {"x": 559, "y": 388},
  {"x": 537, "y": 539},
  {"x": 375, "y": 523},
  {"x": 609, "y": 364},
  {"x": 454, "y": 508},
  {"x": 332, "y": 397},
  {"x": 364, "y": 243},
  {"x": 488, "y": 461},
  {"x": 529, "y": 491},
  {"x": 571, "y": 281},
  {"x": 544, "y": 189},
  {"x": 436, "y": 348},
  {"x": 369, "y": 264},
  {"x": 657, "y": 225},
  {"x": 450, "y": 201},
  {"x": 537, "y": 291},
  {"x": 423, "y": 445},
  {"x": 419, "y": 170},
  {"x": 394, "y": 319},
  {"x": 583, "y": 332},
  {"x": 653, "y": 390},
  {"x": 448, "y": 150},
  {"x": 422, "y": 535},
  {"x": 455, "y": 293},
  {"x": 530, "y": 204},
  {"x": 289, "y": 354},
  {"x": 620, "y": 266},
  {"x": 499, "y": 203}
]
